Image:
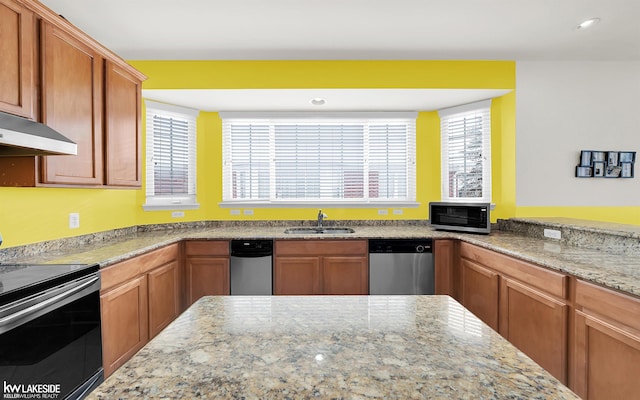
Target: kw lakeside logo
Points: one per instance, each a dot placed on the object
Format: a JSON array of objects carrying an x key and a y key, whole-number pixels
[{"x": 30, "y": 391}]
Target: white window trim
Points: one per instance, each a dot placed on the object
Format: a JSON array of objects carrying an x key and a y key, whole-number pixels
[
  {"x": 486, "y": 149},
  {"x": 274, "y": 117},
  {"x": 171, "y": 202}
]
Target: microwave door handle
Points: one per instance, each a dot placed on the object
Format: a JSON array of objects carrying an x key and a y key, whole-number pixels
[{"x": 46, "y": 302}]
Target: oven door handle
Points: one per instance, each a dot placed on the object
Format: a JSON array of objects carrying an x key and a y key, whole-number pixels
[{"x": 21, "y": 312}]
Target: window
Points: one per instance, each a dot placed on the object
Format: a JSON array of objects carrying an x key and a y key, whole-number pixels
[
  {"x": 359, "y": 159},
  {"x": 171, "y": 157},
  {"x": 466, "y": 152}
]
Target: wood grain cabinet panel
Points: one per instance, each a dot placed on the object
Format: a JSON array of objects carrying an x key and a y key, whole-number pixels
[
  {"x": 17, "y": 47},
  {"x": 206, "y": 269},
  {"x": 446, "y": 278},
  {"x": 72, "y": 105},
  {"x": 297, "y": 276},
  {"x": 345, "y": 275},
  {"x": 535, "y": 323},
  {"x": 311, "y": 267},
  {"x": 139, "y": 297},
  {"x": 164, "y": 297},
  {"x": 206, "y": 276},
  {"x": 122, "y": 127},
  {"x": 480, "y": 291},
  {"x": 607, "y": 344},
  {"x": 125, "y": 327}
]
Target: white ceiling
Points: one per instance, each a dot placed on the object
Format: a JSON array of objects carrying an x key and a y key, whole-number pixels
[
  {"x": 300, "y": 99},
  {"x": 355, "y": 29}
]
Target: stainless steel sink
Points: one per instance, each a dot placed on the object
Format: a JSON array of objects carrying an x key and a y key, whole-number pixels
[{"x": 318, "y": 230}]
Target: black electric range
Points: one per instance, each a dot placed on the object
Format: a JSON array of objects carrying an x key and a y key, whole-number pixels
[
  {"x": 21, "y": 280},
  {"x": 50, "y": 330}
]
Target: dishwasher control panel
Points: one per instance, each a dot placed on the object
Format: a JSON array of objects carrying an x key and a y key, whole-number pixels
[{"x": 400, "y": 245}]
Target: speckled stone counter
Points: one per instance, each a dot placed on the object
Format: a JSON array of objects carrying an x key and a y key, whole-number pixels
[
  {"x": 352, "y": 347},
  {"x": 609, "y": 264}
]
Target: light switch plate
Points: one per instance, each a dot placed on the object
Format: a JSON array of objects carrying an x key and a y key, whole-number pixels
[{"x": 74, "y": 220}]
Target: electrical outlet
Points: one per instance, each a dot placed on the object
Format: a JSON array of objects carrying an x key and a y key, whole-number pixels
[
  {"x": 383, "y": 212},
  {"x": 177, "y": 214},
  {"x": 234, "y": 212},
  {"x": 553, "y": 234},
  {"x": 248, "y": 212},
  {"x": 398, "y": 212},
  {"x": 74, "y": 220}
]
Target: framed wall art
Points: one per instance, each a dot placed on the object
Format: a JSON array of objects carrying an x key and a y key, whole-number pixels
[{"x": 606, "y": 164}]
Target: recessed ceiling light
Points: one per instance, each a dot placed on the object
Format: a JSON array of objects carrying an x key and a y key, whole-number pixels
[
  {"x": 588, "y": 23},
  {"x": 318, "y": 101}
]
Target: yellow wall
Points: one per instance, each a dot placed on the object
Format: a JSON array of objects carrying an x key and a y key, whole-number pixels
[{"x": 37, "y": 214}]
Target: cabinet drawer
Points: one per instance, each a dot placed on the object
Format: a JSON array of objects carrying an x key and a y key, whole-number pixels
[
  {"x": 207, "y": 248},
  {"x": 129, "y": 269},
  {"x": 608, "y": 303},
  {"x": 320, "y": 247},
  {"x": 551, "y": 282}
]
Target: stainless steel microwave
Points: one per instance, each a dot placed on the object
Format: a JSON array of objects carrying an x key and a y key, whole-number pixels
[{"x": 460, "y": 217}]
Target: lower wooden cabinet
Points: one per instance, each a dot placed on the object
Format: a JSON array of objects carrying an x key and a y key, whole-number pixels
[
  {"x": 125, "y": 328},
  {"x": 164, "y": 296},
  {"x": 525, "y": 303},
  {"x": 138, "y": 298},
  {"x": 607, "y": 344},
  {"x": 206, "y": 269},
  {"x": 535, "y": 323},
  {"x": 445, "y": 259},
  {"x": 310, "y": 267},
  {"x": 480, "y": 290},
  {"x": 294, "y": 275}
]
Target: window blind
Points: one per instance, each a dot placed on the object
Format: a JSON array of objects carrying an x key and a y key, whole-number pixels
[
  {"x": 466, "y": 152},
  {"x": 318, "y": 159},
  {"x": 171, "y": 156}
]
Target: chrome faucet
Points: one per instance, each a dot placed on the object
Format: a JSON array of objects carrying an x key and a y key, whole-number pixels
[{"x": 321, "y": 217}]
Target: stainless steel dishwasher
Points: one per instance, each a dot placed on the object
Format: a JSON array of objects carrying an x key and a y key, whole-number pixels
[
  {"x": 251, "y": 267},
  {"x": 401, "y": 266}
]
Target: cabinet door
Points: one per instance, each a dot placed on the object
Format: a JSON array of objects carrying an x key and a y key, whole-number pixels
[
  {"x": 122, "y": 127},
  {"x": 480, "y": 292},
  {"x": 17, "y": 43},
  {"x": 72, "y": 105},
  {"x": 345, "y": 275},
  {"x": 297, "y": 276},
  {"x": 164, "y": 297},
  {"x": 125, "y": 327},
  {"x": 206, "y": 276},
  {"x": 607, "y": 344},
  {"x": 536, "y": 324}
]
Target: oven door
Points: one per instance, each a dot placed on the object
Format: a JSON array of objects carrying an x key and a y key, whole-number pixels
[{"x": 50, "y": 342}]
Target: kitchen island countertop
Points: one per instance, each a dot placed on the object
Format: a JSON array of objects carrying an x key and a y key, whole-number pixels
[{"x": 330, "y": 347}]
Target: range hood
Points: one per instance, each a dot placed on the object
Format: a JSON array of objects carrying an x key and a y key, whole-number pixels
[{"x": 23, "y": 137}]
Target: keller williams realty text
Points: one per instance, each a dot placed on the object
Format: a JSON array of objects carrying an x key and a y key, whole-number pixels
[{"x": 31, "y": 391}]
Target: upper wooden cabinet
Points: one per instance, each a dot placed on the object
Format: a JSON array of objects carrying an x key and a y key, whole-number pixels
[
  {"x": 72, "y": 105},
  {"x": 122, "y": 126},
  {"x": 86, "y": 92},
  {"x": 17, "y": 47}
]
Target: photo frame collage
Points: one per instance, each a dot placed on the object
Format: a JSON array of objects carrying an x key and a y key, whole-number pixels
[{"x": 606, "y": 164}]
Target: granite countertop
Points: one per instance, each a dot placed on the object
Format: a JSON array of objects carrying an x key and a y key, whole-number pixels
[
  {"x": 607, "y": 267},
  {"x": 330, "y": 347}
]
